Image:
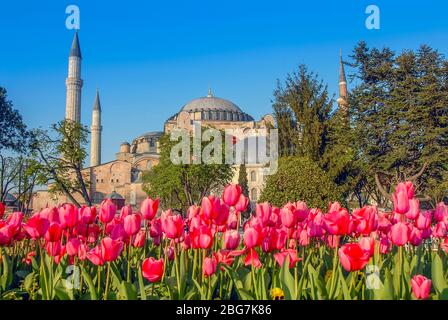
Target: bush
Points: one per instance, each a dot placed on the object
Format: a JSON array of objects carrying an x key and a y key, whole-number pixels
[{"x": 299, "y": 178}]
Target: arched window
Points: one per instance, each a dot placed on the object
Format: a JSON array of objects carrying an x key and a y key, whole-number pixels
[
  {"x": 254, "y": 194},
  {"x": 253, "y": 176}
]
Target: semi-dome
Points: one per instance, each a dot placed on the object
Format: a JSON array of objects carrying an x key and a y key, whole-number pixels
[{"x": 214, "y": 108}]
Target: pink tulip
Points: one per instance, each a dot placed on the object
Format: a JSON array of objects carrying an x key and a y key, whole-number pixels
[
  {"x": 107, "y": 211},
  {"x": 288, "y": 215},
  {"x": 156, "y": 228},
  {"x": 88, "y": 214},
  {"x": 172, "y": 225},
  {"x": 152, "y": 269},
  {"x": 263, "y": 212},
  {"x": 193, "y": 211},
  {"x": 95, "y": 256},
  {"x": 36, "y": 226},
  {"x": 252, "y": 237},
  {"x": 242, "y": 203},
  {"x": 364, "y": 221},
  {"x": 132, "y": 224},
  {"x": 140, "y": 239},
  {"x": 231, "y": 239},
  {"x": 415, "y": 237},
  {"x": 421, "y": 286},
  {"x": 209, "y": 266},
  {"x": 231, "y": 194},
  {"x": 68, "y": 215},
  {"x": 211, "y": 207},
  {"x": 423, "y": 220},
  {"x": 281, "y": 257},
  {"x": 202, "y": 238},
  {"x": 302, "y": 210},
  {"x": 441, "y": 212},
  {"x": 149, "y": 208},
  {"x": 51, "y": 214},
  {"x": 54, "y": 232},
  {"x": 414, "y": 209},
  {"x": 336, "y": 222},
  {"x": 401, "y": 199},
  {"x": 232, "y": 221},
  {"x": 384, "y": 245},
  {"x": 439, "y": 230},
  {"x": 72, "y": 246},
  {"x": 110, "y": 249},
  {"x": 399, "y": 234},
  {"x": 367, "y": 244},
  {"x": 125, "y": 211}
]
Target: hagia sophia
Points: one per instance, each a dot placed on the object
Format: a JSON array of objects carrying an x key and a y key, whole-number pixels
[{"x": 120, "y": 179}]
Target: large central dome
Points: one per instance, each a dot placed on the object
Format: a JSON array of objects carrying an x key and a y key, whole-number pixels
[{"x": 212, "y": 108}]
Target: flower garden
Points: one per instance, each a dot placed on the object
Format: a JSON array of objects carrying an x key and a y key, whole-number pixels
[{"x": 208, "y": 253}]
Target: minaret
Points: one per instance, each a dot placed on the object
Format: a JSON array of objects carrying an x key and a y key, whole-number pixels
[
  {"x": 95, "y": 133},
  {"x": 74, "y": 83},
  {"x": 343, "y": 95}
]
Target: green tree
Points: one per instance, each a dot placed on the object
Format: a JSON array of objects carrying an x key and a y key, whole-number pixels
[
  {"x": 61, "y": 157},
  {"x": 299, "y": 178},
  {"x": 182, "y": 185},
  {"x": 399, "y": 116},
  {"x": 13, "y": 132},
  {"x": 302, "y": 109}
]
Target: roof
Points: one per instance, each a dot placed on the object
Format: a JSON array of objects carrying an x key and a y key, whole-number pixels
[
  {"x": 75, "y": 50},
  {"x": 115, "y": 196},
  {"x": 97, "y": 103},
  {"x": 211, "y": 103}
]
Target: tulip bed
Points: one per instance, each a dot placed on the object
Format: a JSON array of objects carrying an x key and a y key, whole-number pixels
[{"x": 293, "y": 252}]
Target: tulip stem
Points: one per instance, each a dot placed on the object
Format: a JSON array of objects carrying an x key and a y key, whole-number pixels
[
  {"x": 107, "y": 281},
  {"x": 128, "y": 278},
  {"x": 333, "y": 273}
]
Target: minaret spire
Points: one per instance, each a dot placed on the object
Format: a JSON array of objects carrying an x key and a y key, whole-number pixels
[
  {"x": 73, "y": 82},
  {"x": 95, "y": 132},
  {"x": 343, "y": 95}
]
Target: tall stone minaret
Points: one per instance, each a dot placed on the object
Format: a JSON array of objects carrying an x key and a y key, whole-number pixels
[
  {"x": 95, "y": 131},
  {"x": 343, "y": 94},
  {"x": 74, "y": 83}
]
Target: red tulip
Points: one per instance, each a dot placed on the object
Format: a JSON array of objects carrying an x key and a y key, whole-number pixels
[
  {"x": 152, "y": 269},
  {"x": 384, "y": 245},
  {"x": 223, "y": 215},
  {"x": 252, "y": 259},
  {"x": 209, "y": 266},
  {"x": 156, "y": 228},
  {"x": 110, "y": 249},
  {"x": 53, "y": 248},
  {"x": 29, "y": 257},
  {"x": 242, "y": 203},
  {"x": 54, "y": 232},
  {"x": 367, "y": 244},
  {"x": 399, "y": 234},
  {"x": 172, "y": 225},
  {"x": 5, "y": 234},
  {"x": 401, "y": 198},
  {"x": 336, "y": 222},
  {"x": 2, "y": 210},
  {"x": 421, "y": 286},
  {"x": 231, "y": 239},
  {"x": 132, "y": 224},
  {"x": 225, "y": 257},
  {"x": 149, "y": 208},
  {"x": 353, "y": 257},
  {"x": 36, "y": 226},
  {"x": 414, "y": 209},
  {"x": 252, "y": 237},
  {"x": 107, "y": 211}
]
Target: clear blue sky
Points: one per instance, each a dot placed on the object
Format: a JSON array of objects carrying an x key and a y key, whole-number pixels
[{"x": 148, "y": 58}]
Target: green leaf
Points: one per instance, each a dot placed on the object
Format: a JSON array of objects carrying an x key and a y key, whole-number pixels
[
  {"x": 437, "y": 270},
  {"x": 127, "y": 291},
  {"x": 287, "y": 280},
  {"x": 141, "y": 284},
  {"x": 89, "y": 282},
  {"x": 344, "y": 287}
]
